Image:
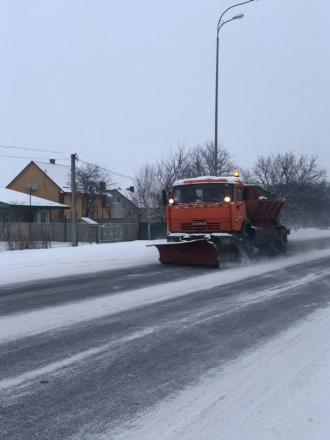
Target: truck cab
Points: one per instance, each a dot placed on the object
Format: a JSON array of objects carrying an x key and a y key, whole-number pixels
[{"x": 206, "y": 205}]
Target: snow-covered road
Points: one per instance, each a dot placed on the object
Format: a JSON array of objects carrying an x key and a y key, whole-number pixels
[
  {"x": 279, "y": 391},
  {"x": 51, "y": 318},
  {"x": 159, "y": 352}
]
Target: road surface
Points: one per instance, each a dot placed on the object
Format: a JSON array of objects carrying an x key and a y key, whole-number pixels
[{"x": 94, "y": 378}]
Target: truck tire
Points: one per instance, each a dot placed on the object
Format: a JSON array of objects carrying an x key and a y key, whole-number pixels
[
  {"x": 247, "y": 240},
  {"x": 278, "y": 244}
]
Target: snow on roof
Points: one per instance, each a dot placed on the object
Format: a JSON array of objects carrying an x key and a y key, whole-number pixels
[
  {"x": 208, "y": 179},
  {"x": 125, "y": 193},
  {"x": 16, "y": 198},
  {"x": 88, "y": 220},
  {"x": 59, "y": 174}
]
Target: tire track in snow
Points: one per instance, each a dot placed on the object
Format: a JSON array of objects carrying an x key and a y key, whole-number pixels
[
  {"x": 29, "y": 376},
  {"x": 53, "y": 318},
  {"x": 237, "y": 303},
  {"x": 281, "y": 390}
]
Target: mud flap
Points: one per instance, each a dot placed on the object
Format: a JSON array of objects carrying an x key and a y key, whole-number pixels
[{"x": 199, "y": 252}]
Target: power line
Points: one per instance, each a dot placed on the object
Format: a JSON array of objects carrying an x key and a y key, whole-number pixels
[
  {"x": 17, "y": 147},
  {"x": 22, "y": 157},
  {"x": 43, "y": 150},
  {"x": 7, "y": 156},
  {"x": 106, "y": 158},
  {"x": 108, "y": 170}
]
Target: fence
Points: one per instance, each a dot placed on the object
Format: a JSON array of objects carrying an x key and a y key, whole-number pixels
[
  {"x": 152, "y": 231},
  {"x": 108, "y": 232}
]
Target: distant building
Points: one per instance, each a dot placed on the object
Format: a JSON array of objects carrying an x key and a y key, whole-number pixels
[
  {"x": 122, "y": 207},
  {"x": 52, "y": 181},
  {"x": 16, "y": 206}
]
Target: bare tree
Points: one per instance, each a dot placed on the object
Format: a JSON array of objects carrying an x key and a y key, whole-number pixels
[
  {"x": 147, "y": 191},
  {"x": 92, "y": 182},
  {"x": 248, "y": 176},
  {"x": 202, "y": 161},
  {"x": 198, "y": 161},
  {"x": 286, "y": 174},
  {"x": 298, "y": 179},
  {"x": 175, "y": 166}
]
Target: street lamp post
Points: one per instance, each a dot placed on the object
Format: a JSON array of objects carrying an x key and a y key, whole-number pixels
[{"x": 219, "y": 26}]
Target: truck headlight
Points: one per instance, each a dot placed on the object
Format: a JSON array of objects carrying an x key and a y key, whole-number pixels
[
  {"x": 170, "y": 201},
  {"x": 227, "y": 199}
]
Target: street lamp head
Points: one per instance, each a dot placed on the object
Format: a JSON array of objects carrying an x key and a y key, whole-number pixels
[{"x": 238, "y": 17}]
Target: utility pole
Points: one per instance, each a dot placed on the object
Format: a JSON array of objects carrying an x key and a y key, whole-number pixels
[{"x": 74, "y": 157}]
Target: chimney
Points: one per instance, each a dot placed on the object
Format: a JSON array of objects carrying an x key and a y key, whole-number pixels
[
  {"x": 52, "y": 161},
  {"x": 102, "y": 186}
]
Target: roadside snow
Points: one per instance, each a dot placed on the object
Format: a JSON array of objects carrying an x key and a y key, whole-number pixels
[
  {"x": 35, "y": 322},
  {"x": 279, "y": 391},
  {"x": 308, "y": 234},
  {"x": 39, "y": 264}
]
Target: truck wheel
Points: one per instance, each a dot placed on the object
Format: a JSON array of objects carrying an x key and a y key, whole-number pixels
[
  {"x": 247, "y": 241},
  {"x": 279, "y": 245},
  {"x": 283, "y": 243}
]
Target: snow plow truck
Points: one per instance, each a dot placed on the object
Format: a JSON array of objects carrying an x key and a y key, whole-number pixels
[{"x": 208, "y": 217}]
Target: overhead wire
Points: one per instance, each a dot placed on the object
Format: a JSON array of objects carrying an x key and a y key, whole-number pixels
[
  {"x": 21, "y": 157},
  {"x": 18, "y": 147},
  {"x": 108, "y": 170},
  {"x": 43, "y": 150},
  {"x": 106, "y": 158}
]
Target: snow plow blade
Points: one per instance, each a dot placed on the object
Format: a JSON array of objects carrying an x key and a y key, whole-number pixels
[{"x": 199, "y": 252}]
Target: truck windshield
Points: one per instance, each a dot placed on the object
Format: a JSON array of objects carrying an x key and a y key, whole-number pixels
[{"x": 202, "y": 193}]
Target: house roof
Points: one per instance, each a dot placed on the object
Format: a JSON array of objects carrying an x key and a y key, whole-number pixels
[
  {"x": 125, "y": 193},
  {"x": 9, "y": 197},
  {"x": 59, "y": 174}
]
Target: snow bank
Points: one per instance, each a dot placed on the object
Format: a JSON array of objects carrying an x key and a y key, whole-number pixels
[
  {"x": 38, "y": 264},
  {"x": 309, "y": 234},
  {"x": 279, "y": 391}
]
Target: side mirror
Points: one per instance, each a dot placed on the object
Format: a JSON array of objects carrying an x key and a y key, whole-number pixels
[{"x": 164, "y": 197}]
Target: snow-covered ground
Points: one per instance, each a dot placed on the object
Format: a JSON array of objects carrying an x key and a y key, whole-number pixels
[
  {"x": 58, "y": 261},
  {"x": 279, "y": 391},
  {"x": 309, "y": 234},
  {"x": 52, "y": 318},
  {"x": 62, "y": 260}
]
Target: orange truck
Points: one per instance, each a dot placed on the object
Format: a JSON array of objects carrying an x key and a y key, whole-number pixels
[{"x": 211, "y": 216}]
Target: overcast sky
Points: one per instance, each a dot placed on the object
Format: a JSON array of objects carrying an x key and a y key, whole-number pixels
[{"x": 129, "y": 80}]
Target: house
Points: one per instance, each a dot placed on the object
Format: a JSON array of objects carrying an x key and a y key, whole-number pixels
[
  {"x": 16, "y": 206},
  {"x": 52, "y": 181},
  {"x": 123, "y": 209}
]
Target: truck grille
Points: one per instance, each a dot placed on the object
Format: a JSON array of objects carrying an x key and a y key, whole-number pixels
[{"x": 200, "y": 226}]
